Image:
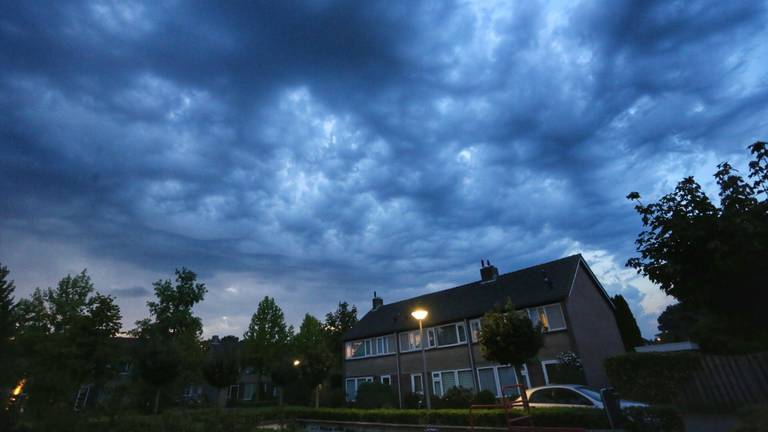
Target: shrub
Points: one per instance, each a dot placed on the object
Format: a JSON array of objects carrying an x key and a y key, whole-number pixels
[
  {"x": 457, "y": 397},
  {"x": 374, "y": 395},
  {"x": 484, "y": 397},
  {"x": 412, "y": 400},
  {"x": 753, "y": 419},
  {"x": 651, "y": 377}
]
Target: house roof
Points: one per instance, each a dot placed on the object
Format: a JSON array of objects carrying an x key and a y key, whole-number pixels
[{"x": 526, "y": 287}]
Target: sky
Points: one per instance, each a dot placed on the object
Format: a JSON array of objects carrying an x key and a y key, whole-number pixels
[{"x": 319, "y": 151}]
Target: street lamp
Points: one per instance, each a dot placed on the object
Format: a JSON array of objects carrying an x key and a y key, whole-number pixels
[
  {"x": 296, "y": 363},
  {"x": 420, "y": 315}
]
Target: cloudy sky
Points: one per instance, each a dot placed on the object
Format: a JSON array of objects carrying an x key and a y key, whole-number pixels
[{"x": 318, "y": 151}]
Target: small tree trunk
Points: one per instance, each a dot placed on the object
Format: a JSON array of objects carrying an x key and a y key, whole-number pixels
[
  {"x": 157, "y": 402},
  {"x": 280, "y": 396},
  {"x": 317, "y": 396}
]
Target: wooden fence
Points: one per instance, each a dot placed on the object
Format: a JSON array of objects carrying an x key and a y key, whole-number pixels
[{"x": 728, "y": 381}]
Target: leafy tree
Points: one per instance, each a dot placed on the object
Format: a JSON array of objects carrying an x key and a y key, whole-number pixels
[
  {"x": 711, "y": 256},
  {"x": 172, "y": 331},
  {"x": 677, "y": 323},
  {"x": 509, "y": 337},
  {"x": 283, "y": 371},
  {"x": 65, "y": 337},
  {"x": 314, "y": 355},
  {"x": 7, "y": 328},
  {"x": 222, "y": 368},
  {"x": 337, "y": 323},
  {"x": 267, "y": 336},
  {"x": 630, "y": 332}
]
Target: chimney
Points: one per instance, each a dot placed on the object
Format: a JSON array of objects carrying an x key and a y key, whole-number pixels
[
  {"x": 377, "y": 301},
  {"x": 488, "y": 273}
]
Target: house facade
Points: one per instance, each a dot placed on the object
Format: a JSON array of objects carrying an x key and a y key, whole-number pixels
[{"x": 563, "y": 295}]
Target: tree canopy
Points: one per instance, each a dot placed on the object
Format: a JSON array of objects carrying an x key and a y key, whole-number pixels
[
  {"x": 65, "y": 335},
  {"x": 711, "y": 256},
  {"x": 267, "y": 335},
  {"x": 7, "y": 328},
  {"x": 509, "y": 337},
  {"x": 316, "y": 359}
]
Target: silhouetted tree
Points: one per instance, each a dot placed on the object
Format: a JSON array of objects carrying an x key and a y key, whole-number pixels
[
  {"x": 509, "y": 337},
  {"x": 266, "y": 338},
  {"x": 7, "y": 328},
  {"x": 222, "y": 368},
  {"x": 172, "y": 330},
  {"x": 712, "y": 257},
  {"x": 316, "y": 359},
  {"x": 630, "y": 332},
  {"x": 677, "y": 323}
]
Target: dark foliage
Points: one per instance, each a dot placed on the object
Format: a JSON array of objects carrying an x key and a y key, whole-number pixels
[
  {"x": 375, "y": 395},
  {"x": 712, "y": 257},
  {"x": 630, "y": 332},
  {"x": 509, "y": 337},
  {"x": 651, "y": 377}
]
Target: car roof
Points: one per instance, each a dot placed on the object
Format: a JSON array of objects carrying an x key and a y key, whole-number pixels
[{"x": 570, "y": 386}]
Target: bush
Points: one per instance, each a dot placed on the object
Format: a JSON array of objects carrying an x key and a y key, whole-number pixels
[
  {"x": 374, "y": 395},
  {"x": 248, "y": 419},
  {"x": 657, "y": 418},
  {"x": 412, "y": 400},
  {"x": 651, "y": 377},
  {"x": 484, "y": 397},
  {"x": 753, "y": 419},
  {"x": 457, "y": 397}
]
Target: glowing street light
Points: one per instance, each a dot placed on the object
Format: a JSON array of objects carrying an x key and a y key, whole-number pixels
[
  {"x": 421, "y": 314},
  {"x": 296, "y": 363}
]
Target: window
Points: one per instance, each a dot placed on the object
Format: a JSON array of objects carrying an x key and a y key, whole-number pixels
[
  {"x": 233, "y": 390},
  {"x": 192, "y": 390},
  {"x": 417, "y": 386},
  {"x": 462, "y": 332},
  {"x": 447, "y": 335},
  {"x": 382, "y": 345},
  {"x": 507, "y": 377},
  {"x": 352, "y": 384},
  {"x": 431, "y": 337},
  {"x": 248, "y": 391},
  {"x": 495, "y": 378},
  {"x": 551, "y": 317},
  {"x": 548, "y": 367},
  {"x": 445, "y": 380},
  {"x": 124, "y": 368},
  {"x": 410, "y": 341},
  {"x": 368, "y": 347},
  {"x": 487, "y": 380},
  {"x": 475, "y": 326},
  {"x": 386, "y": 379}
]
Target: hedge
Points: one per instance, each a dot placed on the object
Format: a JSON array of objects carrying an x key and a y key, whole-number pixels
[
  {"x": 248, "y": 420},
  {"x": 651, "y": 377}
]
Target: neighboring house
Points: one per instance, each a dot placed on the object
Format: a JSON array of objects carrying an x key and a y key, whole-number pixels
[
  {"x": 192, "y": 393},
  {"x": 564, "y": 295}
]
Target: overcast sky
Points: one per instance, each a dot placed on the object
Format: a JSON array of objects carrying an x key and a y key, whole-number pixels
[{"x": 320, "y": 151}]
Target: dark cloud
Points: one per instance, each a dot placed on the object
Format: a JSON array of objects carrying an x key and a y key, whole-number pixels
[
  {"x": 139, "y": 292},
  {"x": 318, "y": 151}
]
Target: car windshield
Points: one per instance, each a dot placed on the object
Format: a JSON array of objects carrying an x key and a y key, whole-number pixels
[{"x": 594, "y": 394}]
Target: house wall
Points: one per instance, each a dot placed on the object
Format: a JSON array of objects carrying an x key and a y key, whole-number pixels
[{"x": 593, "y": 326}]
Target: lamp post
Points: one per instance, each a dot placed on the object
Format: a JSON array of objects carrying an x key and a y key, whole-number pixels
[{"x": 420, "y": 315}]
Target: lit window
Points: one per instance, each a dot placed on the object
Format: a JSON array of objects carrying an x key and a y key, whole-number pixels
[{"x": 475, "y": 325}]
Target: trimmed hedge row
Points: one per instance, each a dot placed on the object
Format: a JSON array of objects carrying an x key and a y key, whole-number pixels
[
  {"x": 248, "y": 420},
  {"x": 651, "y": 377}
]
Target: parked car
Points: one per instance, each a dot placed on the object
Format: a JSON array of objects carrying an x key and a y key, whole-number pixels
[{"x": 570, "y": 395}]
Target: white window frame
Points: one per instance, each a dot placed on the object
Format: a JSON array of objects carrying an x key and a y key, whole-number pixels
[
  {"x": 370, "y": 348},
  {"x": 413, "y": 383},
  {"x": 357, "y": 381},
  {"x": 411, "y": 336},
  {"x": 437, "y": 377},
  {"x": 237, "y": 391},
  {"x": 430, "y": 335},
  {"x": 497, "y": 379},
  {"x": 475, "y": 337},
  {"x": 384, "y": 348},
  {"x": 388, "y": 378},
  {"x": 542, "y": 310},
  {"x": 544, "y": 368}
]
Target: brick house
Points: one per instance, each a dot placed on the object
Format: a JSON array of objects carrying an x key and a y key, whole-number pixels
[{"x": 564, "y": 295}]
